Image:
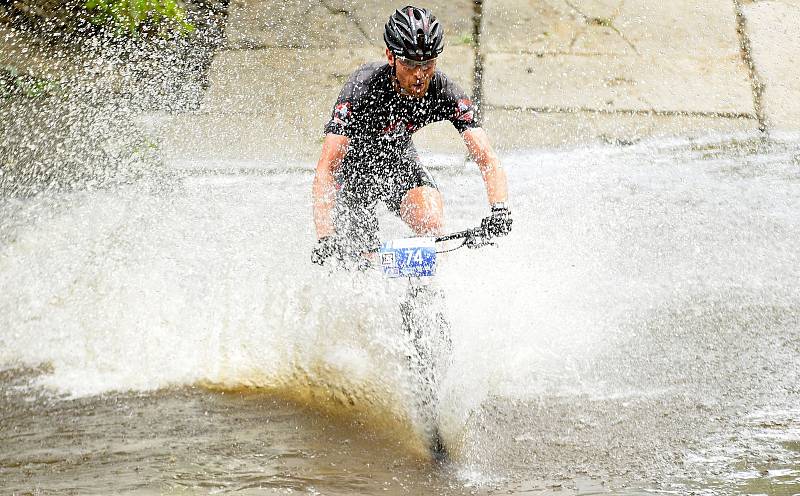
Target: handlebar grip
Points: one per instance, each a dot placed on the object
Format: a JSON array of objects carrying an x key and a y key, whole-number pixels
[{"x": 475, "y": 232}]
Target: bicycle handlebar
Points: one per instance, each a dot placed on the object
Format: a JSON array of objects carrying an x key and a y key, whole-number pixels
[{"x": 476, "y": 237}]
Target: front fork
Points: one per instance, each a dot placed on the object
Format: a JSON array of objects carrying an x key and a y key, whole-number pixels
[{"x": 425, "y": 320}]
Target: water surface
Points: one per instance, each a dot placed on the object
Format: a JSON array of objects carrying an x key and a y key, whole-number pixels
[{"x": 637, "y": 333}]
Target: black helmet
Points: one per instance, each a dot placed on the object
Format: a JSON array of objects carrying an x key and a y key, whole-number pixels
[{"x": 414, "y": 33}]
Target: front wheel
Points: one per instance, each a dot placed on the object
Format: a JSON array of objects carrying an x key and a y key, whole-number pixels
[{"x": 425, "y": 321}]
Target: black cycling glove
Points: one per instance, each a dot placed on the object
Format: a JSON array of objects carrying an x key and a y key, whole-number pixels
[{"x": 499, "y": 223}]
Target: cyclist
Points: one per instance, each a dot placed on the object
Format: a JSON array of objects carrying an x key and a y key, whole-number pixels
[{"x": 368, "y": 155}]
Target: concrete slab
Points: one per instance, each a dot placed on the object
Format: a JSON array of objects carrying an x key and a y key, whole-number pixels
[
  {"x": 685, "y": 28},
  {"x": 631, "y": 57},
  {"x": 584, "y": 27},
  {"x": 527, "y": 26},
  {"x": 520, "y": 129},
  {"x": 289, "y": 24},
  {"x": 280, "y": 82},
  {"x": 775, "y": 42},
  {"x": 625, "y": 27},
  {"x": 332, "y": 23},
  {"x": 602, "y": 82}
]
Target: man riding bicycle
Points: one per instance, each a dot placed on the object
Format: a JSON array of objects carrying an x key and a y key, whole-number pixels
[{"x": 368, "y": 155}]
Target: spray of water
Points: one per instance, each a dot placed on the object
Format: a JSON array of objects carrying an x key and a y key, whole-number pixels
[{"x": 636, "y": 298}]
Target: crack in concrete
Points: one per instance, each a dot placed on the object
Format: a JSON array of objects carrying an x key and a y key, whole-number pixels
[
  {"x": 589, "y": 110},
  {"x": 350, "y": 15},
  {"x": 477, "y": 73},
  {"x": 601, "y": 21},
  {"x": 552, "y": 53},
  {"x": 755, "y": 79},
  {"x": 579, "y": 32}
]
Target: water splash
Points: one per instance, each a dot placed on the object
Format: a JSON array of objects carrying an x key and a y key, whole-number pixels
[{"x": 643, "y": 297}]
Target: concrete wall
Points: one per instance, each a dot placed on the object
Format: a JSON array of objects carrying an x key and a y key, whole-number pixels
[{"x": 551, "y": 73}]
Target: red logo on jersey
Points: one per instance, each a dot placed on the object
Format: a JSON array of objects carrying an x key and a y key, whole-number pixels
[
  {"x": 341, "y": 113},
  {"x": 399, "y": 128},
  {"x": 464, "y": 111}
]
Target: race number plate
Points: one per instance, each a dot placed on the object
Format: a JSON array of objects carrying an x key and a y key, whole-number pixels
[{"x": 409, "y": 257}]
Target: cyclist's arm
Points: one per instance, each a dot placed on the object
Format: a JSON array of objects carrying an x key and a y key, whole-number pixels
[
  {"x": 334, "y": 148},
  {"x": 494, "y": 177}
]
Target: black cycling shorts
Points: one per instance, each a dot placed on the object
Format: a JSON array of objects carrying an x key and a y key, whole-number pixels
[{"x": 361, "y": 186}]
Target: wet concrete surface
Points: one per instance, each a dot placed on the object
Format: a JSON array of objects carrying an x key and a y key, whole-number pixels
[
  {"x": 775, "y": 42},
  {"x": 555, "y": 73}
]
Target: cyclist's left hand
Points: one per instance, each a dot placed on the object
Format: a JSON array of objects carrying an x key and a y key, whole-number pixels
[{"x": 499, "y": 223}]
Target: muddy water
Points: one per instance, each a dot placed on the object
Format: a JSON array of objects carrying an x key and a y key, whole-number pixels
[{"x": 639, "y": 332}]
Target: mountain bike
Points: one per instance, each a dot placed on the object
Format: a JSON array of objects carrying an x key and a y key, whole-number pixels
[{"x": 424, "y": 315}]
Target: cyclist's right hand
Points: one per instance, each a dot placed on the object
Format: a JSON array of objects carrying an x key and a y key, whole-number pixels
[{"x": 327, "y": 247}]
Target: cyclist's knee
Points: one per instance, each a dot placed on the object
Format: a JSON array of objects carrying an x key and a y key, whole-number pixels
[{"x": 421, "y": 209}]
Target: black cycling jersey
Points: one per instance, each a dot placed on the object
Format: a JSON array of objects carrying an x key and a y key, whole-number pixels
[
  {"x": 379, "y": 121},
  {"x": 381, "y": 162}
]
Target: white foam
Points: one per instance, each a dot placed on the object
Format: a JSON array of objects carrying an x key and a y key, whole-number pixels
[{"x": 212, "y": 283}]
